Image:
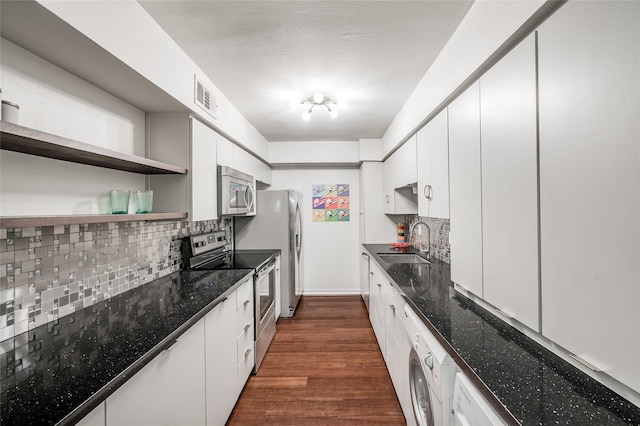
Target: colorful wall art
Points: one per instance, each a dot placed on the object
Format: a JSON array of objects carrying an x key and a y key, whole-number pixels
[{"x": 331, "y": 202}]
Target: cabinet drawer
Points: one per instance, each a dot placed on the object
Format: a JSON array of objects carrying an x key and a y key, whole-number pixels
[
  {"x": 245, "y": 344},
  {"x": 393, "y": 298},
  {"x": 244, "y": 314},
  {"x": 245, "y": 365},
  {"x": 244, "y": 320},
  {"x": 244, "y": 295}
]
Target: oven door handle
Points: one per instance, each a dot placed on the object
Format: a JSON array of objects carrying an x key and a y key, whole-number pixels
[{"x": 267, "y": 269}]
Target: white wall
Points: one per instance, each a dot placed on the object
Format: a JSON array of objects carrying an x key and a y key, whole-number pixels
[
  {"x": 370, "y": 149},
  {"x": 126, "y": 30},
  {"x": 57, "y": 102},
  {"x": 463, "y": 54},
  {"x": 331, "y": 250}
]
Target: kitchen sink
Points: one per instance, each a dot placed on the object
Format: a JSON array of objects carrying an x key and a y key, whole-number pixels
[{"x": 402, "y": 258}]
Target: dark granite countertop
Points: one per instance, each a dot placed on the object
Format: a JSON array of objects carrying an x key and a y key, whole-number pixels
[
  {"x": 62, "y": 370},
  {"x": 536, "y": 386}
]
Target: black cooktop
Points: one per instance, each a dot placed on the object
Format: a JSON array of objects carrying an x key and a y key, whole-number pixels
[{"x": 240, "y": 259}]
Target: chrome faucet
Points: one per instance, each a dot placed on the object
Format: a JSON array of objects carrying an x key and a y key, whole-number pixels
[{"x": 428, "y": 249}]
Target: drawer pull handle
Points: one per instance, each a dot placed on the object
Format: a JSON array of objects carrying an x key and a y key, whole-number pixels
[
  {"x": 246, "y": 301},
  {"x": 246, "y": 327},
  {"x": 247, "y": 352},
  {"x": 393, "y": 308},
  {"x": 168, "y": 348},
  {"x": 585, "y": 363}
]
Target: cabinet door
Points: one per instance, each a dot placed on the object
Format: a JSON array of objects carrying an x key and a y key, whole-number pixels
[
  {"x": 397, "y": 347},
  {"x": 433, "y": 168},
  {"x": 220, "y": 361},
  {"x": 96, "y": 417},
  {"x": 510, "y": 184},
  {"x": 224, "y": 152},
  {"x": 170, "y": 390},
  {"x": 204, "y": 191},
  {"x": 465, "y": 186},
  {"x": 377, "y": 306},
  {"x": 390, "y": 179},
  {"x": 377, "y": 228},
  {"x": 409, "y": 168},
  {"x": 590, "y": 175}
]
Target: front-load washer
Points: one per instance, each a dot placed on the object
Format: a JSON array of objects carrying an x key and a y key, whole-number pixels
[
  {"x": 431, "y": 374},
  {"x": 470, "y": 407}
]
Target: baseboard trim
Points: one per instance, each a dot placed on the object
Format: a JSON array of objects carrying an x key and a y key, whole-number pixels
[{"x": 331, "y": 293}]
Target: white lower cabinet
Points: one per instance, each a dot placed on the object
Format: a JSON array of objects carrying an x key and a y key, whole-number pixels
[
  {"x": 386, "y": 312},
  {"x": 377, "y": 304},
  {"x": 170, "y": 390},
  {"x": 244, "y": 334},
  {"x": 196, "y": 381},
  {"x": 397, "y": 348},
  {"x": 97, "y": 417},
  {"x": 220, "y": 354}
]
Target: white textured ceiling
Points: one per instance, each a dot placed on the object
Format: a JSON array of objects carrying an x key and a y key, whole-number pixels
[{"x": 266, "y": 55}]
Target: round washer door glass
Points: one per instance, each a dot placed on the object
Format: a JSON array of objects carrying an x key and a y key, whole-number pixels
[{"x": 420, "y": 397}]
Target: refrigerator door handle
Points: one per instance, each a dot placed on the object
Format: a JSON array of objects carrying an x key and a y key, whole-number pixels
[{"x": 298, "y": 225}]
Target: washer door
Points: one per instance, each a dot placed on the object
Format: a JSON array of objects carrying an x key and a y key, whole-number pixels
[{"x": 420, "y": 394}]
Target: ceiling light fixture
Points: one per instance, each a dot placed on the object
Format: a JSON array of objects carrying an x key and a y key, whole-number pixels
[{"x": 319, "y": 99}]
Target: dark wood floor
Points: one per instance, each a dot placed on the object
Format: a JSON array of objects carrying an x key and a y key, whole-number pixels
[{"x": 323, "y": 367}]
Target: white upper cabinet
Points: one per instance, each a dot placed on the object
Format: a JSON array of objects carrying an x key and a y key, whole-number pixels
[
  {"x": 391, "y": 169},
  {"x": 589, "y": 70},
  {"x": 204, "y": 191},
  {"x": 375, "y": 226},
  {"x": 433, "y": 168},
  {"x": 231, "y": 155},
  {"x": 185, "y": 141},
  {"x": 399, "y": 173},
  {"x": 224, "y": 149},
  {"x": 466, "y": 191},
  {"x": 510, "y": 184},
  {"x": 409, "y": 162}
]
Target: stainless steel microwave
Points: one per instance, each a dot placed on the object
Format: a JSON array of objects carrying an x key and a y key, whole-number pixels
[{"x": 236, "y": 193}]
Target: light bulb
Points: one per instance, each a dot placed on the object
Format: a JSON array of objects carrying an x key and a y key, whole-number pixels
[
  {"x": 318, "y": 98},
  {"x": 333, "y": 113},
  {"x": 306, "y": 115}
]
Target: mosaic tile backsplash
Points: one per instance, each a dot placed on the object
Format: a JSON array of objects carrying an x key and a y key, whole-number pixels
[
  {"x": 51, "y": 271},
  {"x": 440, "y": 248}
]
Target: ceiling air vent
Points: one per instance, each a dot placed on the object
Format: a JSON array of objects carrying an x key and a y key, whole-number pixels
[{"x": 204, "y": 97}]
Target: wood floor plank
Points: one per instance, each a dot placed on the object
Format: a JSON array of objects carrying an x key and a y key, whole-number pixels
[{"x": 324, "y": 367}]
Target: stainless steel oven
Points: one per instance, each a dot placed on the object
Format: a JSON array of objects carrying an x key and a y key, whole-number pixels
[
  {"x": 208, "y": 252},
  {"x": 265, "y": 311}
]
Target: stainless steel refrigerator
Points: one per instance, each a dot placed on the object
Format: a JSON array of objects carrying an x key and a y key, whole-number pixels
[{"x": 277, "y": 225}]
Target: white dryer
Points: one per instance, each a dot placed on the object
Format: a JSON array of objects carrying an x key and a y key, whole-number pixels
[
  {"x": 431, "y": 374},
  {"x": 470, "y": 407}
]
